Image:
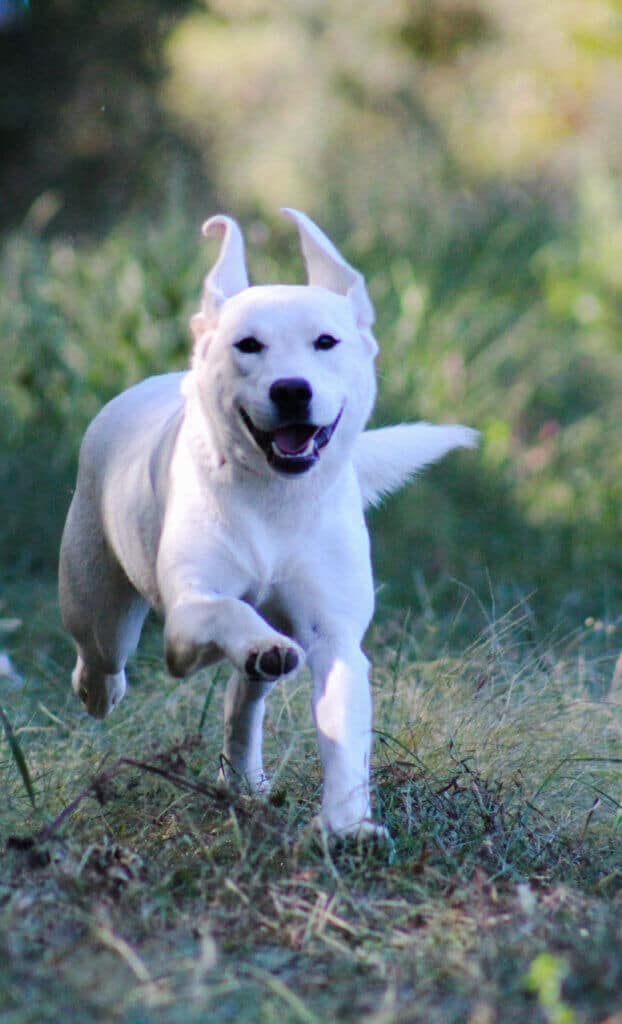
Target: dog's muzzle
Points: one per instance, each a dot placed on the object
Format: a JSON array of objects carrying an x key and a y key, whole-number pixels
[{"x": 291, "y": 447}]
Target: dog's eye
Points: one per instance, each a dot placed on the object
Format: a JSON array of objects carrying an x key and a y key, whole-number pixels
[
  {"x": 324, "y": 342},
  {"x": 249, "y": 346}
]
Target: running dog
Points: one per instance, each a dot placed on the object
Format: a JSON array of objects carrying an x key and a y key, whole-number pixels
[{"x": 230, "y": 499}]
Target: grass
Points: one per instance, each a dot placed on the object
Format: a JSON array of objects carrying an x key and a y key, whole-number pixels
[
  {"x": 156, "y": 899},
  {"x": 129, "y": 888},
  {"x": 480, "y": 325}
]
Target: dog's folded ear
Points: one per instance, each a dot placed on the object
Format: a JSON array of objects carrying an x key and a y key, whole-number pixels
[
  {"x": 327, "y": 268},
  {"x": 227, "y": 277}
]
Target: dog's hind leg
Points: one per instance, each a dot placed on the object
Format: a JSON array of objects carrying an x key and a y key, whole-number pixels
[
  {"x": 245, "y": 703},
  {"x": 103, "y": 647},
  {"x": 103, "y": 612},
  {"x": 100, "y": 691}
]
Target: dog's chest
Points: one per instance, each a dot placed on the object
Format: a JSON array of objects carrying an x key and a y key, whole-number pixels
[
  {"x": 270, "y": 552},
  {"x": 274, "y": 546}
]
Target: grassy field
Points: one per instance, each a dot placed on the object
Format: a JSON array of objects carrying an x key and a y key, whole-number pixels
[{"x": 133, "y": 890}]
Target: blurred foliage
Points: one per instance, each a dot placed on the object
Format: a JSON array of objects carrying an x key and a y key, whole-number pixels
[
  {"x": 382, "y": 105},
  {"x": 464, "y": 153},
  {"x": 80, "y": 116},
  {"x": 534, "y": 359},
  {"x": 78, "y": 325}
]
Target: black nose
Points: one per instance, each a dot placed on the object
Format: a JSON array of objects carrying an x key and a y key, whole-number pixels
[{"x": 292, "y": 396}]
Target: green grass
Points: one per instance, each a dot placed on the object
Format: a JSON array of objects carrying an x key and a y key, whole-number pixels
[
  {"x": 154, "y": 898},
  {"x": 505, "y": 319}
]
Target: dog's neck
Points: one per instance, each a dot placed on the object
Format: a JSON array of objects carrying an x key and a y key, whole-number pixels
[{"x": 207, "y": 451}]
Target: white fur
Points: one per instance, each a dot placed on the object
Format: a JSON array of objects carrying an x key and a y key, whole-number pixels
[
  {"x": 387, "y": 458},
  {"x": 186, "y": 502}
]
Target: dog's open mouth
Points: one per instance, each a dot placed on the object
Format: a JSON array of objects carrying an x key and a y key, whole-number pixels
[{"x": 291, "y": 447}]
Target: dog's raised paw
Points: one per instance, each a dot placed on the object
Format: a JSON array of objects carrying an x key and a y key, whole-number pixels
[{"x": 271, "y": 663}]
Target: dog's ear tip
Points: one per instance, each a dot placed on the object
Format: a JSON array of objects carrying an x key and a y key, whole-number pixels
[
  {"x": 296, "y": 215},
  {"x": 228, "y": 275},
  {"x": 215, "y": 226},
  {"x": 327, "y": 268}
]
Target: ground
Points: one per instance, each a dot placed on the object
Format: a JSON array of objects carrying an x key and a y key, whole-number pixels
[{"x": 135, "y": 890}]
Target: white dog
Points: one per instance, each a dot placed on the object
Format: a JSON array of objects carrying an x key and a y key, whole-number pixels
[{"x": 230, "y": 499}]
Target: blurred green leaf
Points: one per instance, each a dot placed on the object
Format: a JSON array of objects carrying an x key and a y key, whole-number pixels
[{"x": 18, "y": 756}]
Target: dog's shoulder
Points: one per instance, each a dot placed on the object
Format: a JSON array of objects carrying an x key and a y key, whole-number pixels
[{"x": 132, "y": 427}]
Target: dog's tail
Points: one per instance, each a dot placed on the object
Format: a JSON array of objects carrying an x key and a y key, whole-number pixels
[{"x": 385, "y": 459}]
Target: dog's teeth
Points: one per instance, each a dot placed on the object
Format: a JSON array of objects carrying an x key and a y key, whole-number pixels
[{"x": 302, "y": 454}]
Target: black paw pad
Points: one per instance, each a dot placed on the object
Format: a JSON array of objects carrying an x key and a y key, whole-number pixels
[
  {"x": 290, "y": 661},
  {"x": 270, "y": 664}
]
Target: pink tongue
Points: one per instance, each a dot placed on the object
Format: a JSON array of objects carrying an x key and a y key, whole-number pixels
[{"x": 292, "y": 440}]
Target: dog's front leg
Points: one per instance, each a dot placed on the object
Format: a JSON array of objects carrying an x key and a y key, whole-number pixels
[
  {"x": 201, "y": 627},
  {"x": 342, "y": 713}
]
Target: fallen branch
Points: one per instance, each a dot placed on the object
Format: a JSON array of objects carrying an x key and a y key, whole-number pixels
[{"x": 99, "y": 783}]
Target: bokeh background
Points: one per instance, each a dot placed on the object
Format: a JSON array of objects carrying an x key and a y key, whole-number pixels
[{"x": 465, "y": 154}]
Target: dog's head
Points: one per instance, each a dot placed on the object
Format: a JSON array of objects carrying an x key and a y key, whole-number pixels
[{"x": 284, "y": 373}]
